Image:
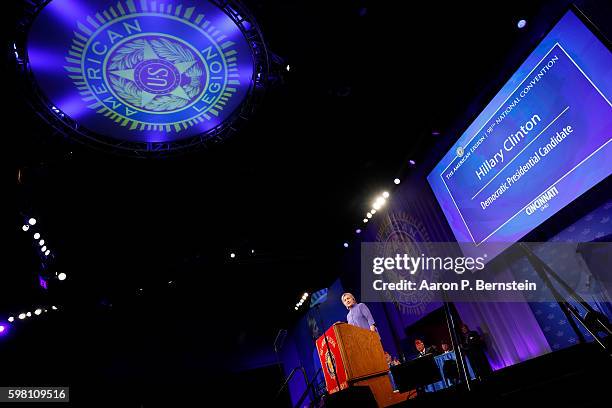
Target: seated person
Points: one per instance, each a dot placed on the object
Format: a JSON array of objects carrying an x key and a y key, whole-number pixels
[
  {"x": 423, "y": 351},
  {"x": 391, "y": 361},
  {"x": 449, "y": 367}
]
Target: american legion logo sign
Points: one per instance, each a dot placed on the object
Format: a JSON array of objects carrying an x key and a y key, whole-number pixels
[{"x": 141, "y": 70}]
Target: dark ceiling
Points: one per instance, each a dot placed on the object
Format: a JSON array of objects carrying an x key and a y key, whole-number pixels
[{"x": 370, "y": 82}]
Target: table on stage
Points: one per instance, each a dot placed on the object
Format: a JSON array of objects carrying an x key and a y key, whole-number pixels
[{"x": 439, "y": 360}]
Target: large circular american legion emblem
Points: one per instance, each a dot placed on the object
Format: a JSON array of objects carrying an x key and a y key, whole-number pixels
[
  {"x": 141, "y": 70},
  {"x": 402, "y": 234}
]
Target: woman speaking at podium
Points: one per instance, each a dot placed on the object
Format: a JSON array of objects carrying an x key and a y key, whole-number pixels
[{"x": 359, "y": 314}]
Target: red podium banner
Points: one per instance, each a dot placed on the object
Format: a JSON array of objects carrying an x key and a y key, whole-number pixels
[{"x": 330, "y": 358}]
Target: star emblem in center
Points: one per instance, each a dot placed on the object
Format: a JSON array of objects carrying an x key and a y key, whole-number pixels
[{"x": 149, "y": 54}]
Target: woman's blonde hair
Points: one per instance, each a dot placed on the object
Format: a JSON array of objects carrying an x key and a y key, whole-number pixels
[{"x": 349, "y": 294}]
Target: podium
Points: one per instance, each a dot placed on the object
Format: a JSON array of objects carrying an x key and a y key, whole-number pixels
[{"x": 359, "y": 360}]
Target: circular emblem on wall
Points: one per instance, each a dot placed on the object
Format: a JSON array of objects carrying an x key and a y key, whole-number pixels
[
  {"x": 402, "y": 234},
  {"x": 141, "y": 70}
]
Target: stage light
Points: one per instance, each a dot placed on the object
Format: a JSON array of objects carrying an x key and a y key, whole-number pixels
[
  {"x": 373, "y": 212},
  {"x": 396, "y": 181},
  {"x": 385, "y": 194},
  {"x": 252, "y": 252},
  {"x": 41, "y": 242},
  {"x": 288, "y": 67},
  {"x": 365, "y": 220},
  {"x": 32, "y": 221},
  {"x": 53, "y": 307},
  {"x": 412, "y": 162},
  {"x": 37, "y": 235},
  {"x": 25, "y": 227},
  {"x": 37, "y": 312},
  {"x": 521, "y": 24},
  {"x": 435, "y": 133},
  {"x": 62, "y": 276},
  {"x": 47, "y": 252},
  {"x": 346, "y": 244},
  {"x": 29, "y": 314},
  {"x": 379, "y": 203},
  {"x": 358, "y": 231},
  {"x": 43, "y": 249},
  {"x": 22, "y": 316},
  {"x": 2, "y": 328},
  {"x": 369, "y": 215},
  {"x": 296, "y": 308},
  {"x": 232, "y": 255},
  {"x": 11, "y": 319}
]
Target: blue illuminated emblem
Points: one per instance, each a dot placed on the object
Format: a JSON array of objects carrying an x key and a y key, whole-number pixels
[{"x": 142, "y": 78}]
